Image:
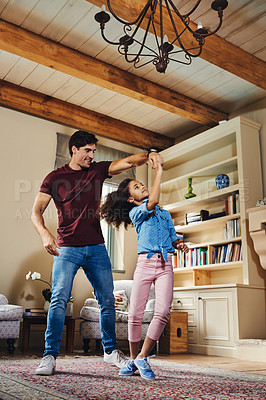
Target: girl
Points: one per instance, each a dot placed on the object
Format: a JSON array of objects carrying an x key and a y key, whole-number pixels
[{"x": 157, "y": 239}]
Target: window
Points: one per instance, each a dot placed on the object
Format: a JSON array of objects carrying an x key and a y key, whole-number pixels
[{"x": 107, "y": 230}]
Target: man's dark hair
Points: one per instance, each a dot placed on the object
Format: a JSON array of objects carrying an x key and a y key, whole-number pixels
[{"x": 80, "y": 139}]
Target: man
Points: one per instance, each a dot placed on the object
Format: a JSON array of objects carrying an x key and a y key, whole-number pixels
[{"x": 76, "y": 190}]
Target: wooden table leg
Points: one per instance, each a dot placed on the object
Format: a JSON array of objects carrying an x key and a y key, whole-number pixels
[
  {"x": 25, "y": 335},
  {"x": 70, "y": 333}
]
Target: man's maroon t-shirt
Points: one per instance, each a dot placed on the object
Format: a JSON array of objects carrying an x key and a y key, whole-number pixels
[{"x": 77, "y": 196}]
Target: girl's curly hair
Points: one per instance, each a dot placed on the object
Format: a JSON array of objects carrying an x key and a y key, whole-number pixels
[{"x": 115, "y": 210}]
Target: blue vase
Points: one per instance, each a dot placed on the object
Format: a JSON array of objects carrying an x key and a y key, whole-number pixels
[{"x": 222, "y": 181}]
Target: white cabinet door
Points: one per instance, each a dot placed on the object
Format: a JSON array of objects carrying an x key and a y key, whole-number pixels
[{"x": 215, "y": 318}]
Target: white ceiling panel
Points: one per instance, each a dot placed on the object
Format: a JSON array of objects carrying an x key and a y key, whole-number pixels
[
  {"x": 71, "y": 22},
  {"x": 66, "y": 19},
  {"x": 7, "y": 62},
  {"x": 17, "y": 11},
  {"x": 42, "y": 14},
  {"x": 20, "y": 71},
  {"x": 53, "y": 83}
]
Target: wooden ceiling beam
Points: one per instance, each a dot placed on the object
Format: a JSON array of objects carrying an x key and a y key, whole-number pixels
[
  {"x": 29, "y": 45},
  {"x": 216, "y": 50},
  {"x": 49, "y": 108}
]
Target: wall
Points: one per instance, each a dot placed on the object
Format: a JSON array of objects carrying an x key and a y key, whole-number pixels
[{"x": 28, "y": 146}]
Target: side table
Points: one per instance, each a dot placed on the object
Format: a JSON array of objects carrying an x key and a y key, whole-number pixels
[
  {"x": 174, "y": 338},
  {"x": 42, "y": 320}
]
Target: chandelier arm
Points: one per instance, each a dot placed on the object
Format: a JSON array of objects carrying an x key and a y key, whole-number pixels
[
  {"x": 175, "y": 9},
  {"x": 107, "y": 40},
  {"x": 143, "y": 55},
  {"x": 176, "y": 32},
  {"x": 182, "y": 18},
  {"x": 155, "y": 34},
  {"x": 142, "y": 65},
  {"x": 142, "y": 13},
  {"x": 127, "y": 59},
  {"x": 137, "y": 27},
  {"x": 189, "y": 54},
  {"x": 216, "y": 30},
  {"x": 142, "y": 44},
  {"x": 145, "y": 46},
  {"x": 161, "y": 25},
  {"x": 179, "y": 35},
  {"x": 180, "y": 61}
]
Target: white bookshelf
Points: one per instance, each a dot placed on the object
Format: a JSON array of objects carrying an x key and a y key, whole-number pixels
[
  {"x": 231, "y": 148},
  {"x": 225, "y": 301}
]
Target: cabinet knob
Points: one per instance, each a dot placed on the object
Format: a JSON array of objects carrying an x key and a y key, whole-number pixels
[{"x": 199, "y": 298}]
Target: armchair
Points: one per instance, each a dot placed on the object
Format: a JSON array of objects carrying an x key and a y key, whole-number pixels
[
  {"x": 10, "y": 316},
  {"x": 90, "y": 312}
]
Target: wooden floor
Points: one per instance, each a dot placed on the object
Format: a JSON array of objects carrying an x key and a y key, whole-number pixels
[
  {"x": 218, "y": 362},
  {"x": 194, "y": 359}
]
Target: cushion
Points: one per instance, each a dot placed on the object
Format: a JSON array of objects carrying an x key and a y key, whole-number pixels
[
  {"x": 121, "y": 301},
  {"x": 90, "y": 313},
  {"x": 9, "y": 312},
  {"x": 91, "y": 303},
  {"x": 3, "y": 299}
]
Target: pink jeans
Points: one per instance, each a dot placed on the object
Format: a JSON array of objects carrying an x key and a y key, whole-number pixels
[{"x": 147, "y": 271}]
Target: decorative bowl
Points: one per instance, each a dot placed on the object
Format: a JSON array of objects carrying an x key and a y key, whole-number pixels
[{"x": 222, "y": 181}]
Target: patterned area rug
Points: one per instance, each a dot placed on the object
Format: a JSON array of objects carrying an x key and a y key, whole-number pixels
[{"x": 91, "y": 378}]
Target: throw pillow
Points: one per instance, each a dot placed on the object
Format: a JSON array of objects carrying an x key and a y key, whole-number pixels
[{"x": 121, "y": 301}]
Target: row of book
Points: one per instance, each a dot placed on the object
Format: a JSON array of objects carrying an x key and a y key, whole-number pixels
[
  {"x": 198, "y": 256},
  {"x": 194, "y": 258},
  {"x": 232, "y": 229},
  {"x": 232, "y": 204},
  {"x": 229, "y": 252}
]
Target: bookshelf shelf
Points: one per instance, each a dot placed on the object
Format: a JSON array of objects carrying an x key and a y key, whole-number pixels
[
  {"x": 201, "y": 200},
  {"x": 213, "y": 170},
  {"x": 214, "y": 267},
  {"x": 216, "y": 242},
  {"x": 198, "y": 226}
]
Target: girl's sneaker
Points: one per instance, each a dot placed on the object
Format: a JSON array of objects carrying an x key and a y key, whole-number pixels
[
  {"x": 144, "y": 368},
  {"x": 128, "y": 369}
]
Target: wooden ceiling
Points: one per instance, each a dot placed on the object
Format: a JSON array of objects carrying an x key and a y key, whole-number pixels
[{"x": 55, "y": 65}]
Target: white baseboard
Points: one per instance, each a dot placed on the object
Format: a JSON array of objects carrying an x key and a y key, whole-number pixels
[{"x": 248, "y": 350}]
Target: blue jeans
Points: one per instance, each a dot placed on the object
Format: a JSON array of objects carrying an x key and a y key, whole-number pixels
[{"x": 96, "y": 264}]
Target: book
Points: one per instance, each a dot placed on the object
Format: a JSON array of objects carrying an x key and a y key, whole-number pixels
[
  {"x": 34, "y": 312},
  {"x": 232, "y": 204},
  {"x": 197, "y": 216}
]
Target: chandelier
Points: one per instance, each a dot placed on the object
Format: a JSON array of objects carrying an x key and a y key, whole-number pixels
[{"x": 153, "y": 18}]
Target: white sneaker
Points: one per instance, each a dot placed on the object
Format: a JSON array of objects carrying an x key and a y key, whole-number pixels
[
  {"x": 116, "y": 358},
  {"x": 47, "y": 366}
]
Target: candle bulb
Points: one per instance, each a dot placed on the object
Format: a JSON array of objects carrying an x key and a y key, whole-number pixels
[
  {"x": 165, "y": 39},
  {"x": 103, "y": 8},
  {"x": 199, "y": 25}
]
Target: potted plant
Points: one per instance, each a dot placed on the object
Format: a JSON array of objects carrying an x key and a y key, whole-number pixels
[{"x": 47, "y": 294}]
